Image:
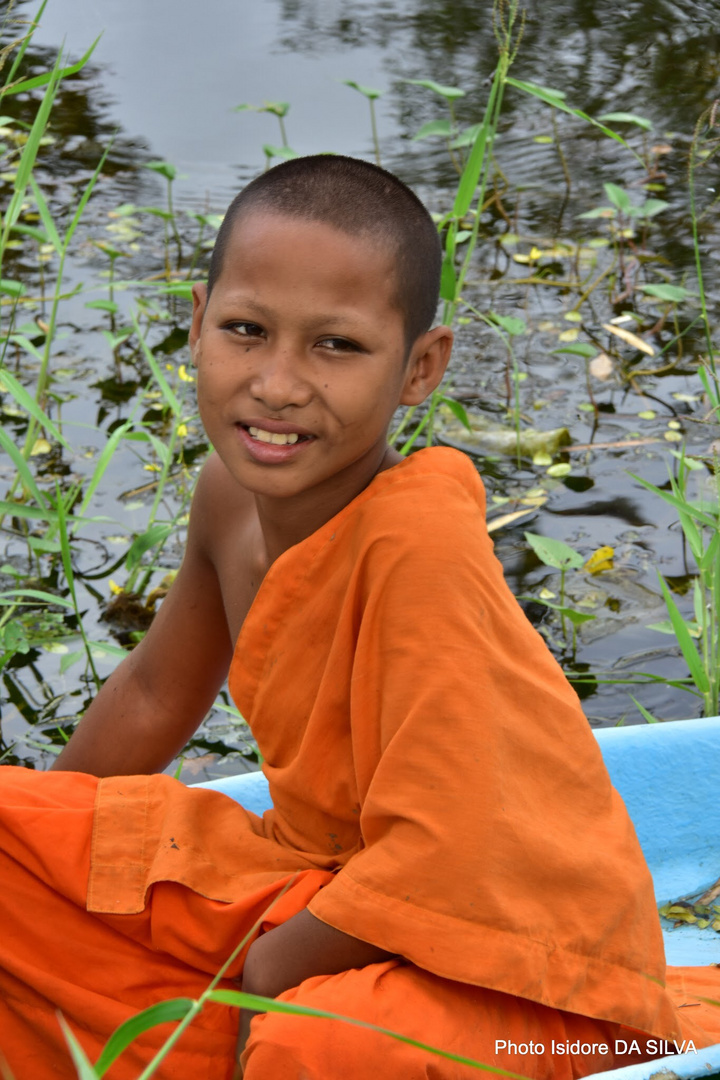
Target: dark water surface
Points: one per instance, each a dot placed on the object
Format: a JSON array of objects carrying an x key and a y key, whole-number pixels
[{"x": 165, "y": 78}]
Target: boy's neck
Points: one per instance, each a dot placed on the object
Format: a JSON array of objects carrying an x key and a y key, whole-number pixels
[{"x": 287, "y": 521}]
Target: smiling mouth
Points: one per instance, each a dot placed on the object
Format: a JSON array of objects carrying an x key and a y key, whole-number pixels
[{"x": 275, "y": 437}]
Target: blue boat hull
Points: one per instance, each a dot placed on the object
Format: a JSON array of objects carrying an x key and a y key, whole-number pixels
[{"x": 668, "y": 776}]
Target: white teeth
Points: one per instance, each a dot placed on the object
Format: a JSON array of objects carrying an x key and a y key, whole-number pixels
[{"x": 273, "y": 436}]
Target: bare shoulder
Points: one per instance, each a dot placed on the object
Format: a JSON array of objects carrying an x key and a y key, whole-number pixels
[{"x": 224, "y": 537}]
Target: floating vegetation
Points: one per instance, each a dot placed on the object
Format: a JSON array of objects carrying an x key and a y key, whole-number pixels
[{"x": 583, "y": 354}]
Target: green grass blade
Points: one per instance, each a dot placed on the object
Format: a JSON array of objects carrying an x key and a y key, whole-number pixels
[
  {"x": 45, "y": 216},
  {"x": 32, "y": 513},
  {"x": 160, "y": 379},
  {"x": 83, "y": 1066},
  {"x": 26, "y": 477},
  {"x": 155, "y": 535},
  {"x": 684, "y": 640},
  {"x": 37, "y": 594},
  {"x": 644, "y": 712},
  {"x": 21, "y": 51},
  {"x": 27, "y": 160},
  {"x": 162, "y": 1013},
  {"x": 102, "y": 464},
  {"x": 41, "y": 80},
  {"x": 83, "y": 201},
  {"x": 28, "y": 403},
  {"x": 556, "y": 101},
  {"x": 679, "y": 503},
  {"x": 476, "y": 159},
  {"x": 262, "y": 1004}
]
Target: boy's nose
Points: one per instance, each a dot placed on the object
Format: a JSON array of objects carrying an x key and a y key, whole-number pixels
[{"x": 280, "y": 381}]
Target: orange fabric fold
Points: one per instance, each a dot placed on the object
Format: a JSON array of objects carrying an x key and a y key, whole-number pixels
[
  {"x": 437, "y": 791},
  {"x": 410, "y": 716}
]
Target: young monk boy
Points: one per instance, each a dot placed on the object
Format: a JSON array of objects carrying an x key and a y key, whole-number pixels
[{"x": 460, "y": 868}]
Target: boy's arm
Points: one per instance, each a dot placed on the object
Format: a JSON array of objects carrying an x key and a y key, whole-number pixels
[
  {"x": 157, "y": 697},
  {"x": 298, "y": 949}
]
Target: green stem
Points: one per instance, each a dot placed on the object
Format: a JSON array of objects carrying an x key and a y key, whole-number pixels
[
  {"x": 376, "y": 141},
  {"x": 198, "y": 1005}
]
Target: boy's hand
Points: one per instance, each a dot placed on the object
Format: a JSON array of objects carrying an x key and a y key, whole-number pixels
[{"x": 296, "y": 950}]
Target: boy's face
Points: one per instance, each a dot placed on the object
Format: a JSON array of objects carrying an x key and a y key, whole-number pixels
[{"x": 300, "y": 356}]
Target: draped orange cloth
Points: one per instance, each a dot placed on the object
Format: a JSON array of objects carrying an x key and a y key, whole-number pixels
[{"x": 437, "y": 792}]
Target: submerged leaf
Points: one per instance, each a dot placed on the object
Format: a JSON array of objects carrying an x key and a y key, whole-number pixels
[
  {"x": 600, "y": 560},
  {"x": 629, "y": 338}
]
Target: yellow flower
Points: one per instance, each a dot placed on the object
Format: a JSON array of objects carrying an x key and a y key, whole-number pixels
[
  {"x": 183, "y": 373},
  {"x": 115, "y": 589}
]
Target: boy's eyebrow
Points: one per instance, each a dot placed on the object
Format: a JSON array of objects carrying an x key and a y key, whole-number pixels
[{"x": 257, "y": 308}]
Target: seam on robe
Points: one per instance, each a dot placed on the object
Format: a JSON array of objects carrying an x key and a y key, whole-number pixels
[
  {"x": 608, "y": 991},
  {"x": 118, "y": 880}
]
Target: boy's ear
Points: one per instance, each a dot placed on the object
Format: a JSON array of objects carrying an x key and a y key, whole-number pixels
[
  {"x": 199, "y": 295},
  {"x": 428, "y": 359}
]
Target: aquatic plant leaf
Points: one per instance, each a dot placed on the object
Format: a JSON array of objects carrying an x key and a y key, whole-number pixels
[
  {"x": 434, "y": 127},
  {"x": 476, "y": 158},
  {"x": 555, "y": 98},
  {"x": 555, "y": 553},
  {"x": 164, "y": 168},
  {"x": 645, "y": 712},
  {"x": 42, "y": 80},
  {"x": 672, "y": 293},
  {"x": 685, "y": 641},
  {"x": 70, "y": 659},
  {"x": 450, "y": 93},
  {"x": 618, "y": 197},
  {"x": 367, "y": 91},
  {"x": 626, "y": 118},
  {"x": 577, "y": 618},
  {"x": 11, "y": 288},
  {"x": 147, "y": 540},
  {"x": 629, "y": 338},
  {"x": 103, "y": 305},
  {"x": 651, "y": 207},
  {"x": 28, "y": 403},
  {"x": 458, "y": 410},
  {"x": 599, "y": 212},
  {"x": 15, "y": 639},
  {"x": 580, "y": 348},
  {"x": 45, "y": 215},
  {"x": 162, "y": 1013},
  {"x": 162, "y": 382},
  {"x": 510, "y": 324},
  {"x": 279, "y": 151},
  {"x": 683, "y": 505},
  {"x": 600, "y": 560},
  {"x": 465, "y": 138},
  {"x": 448, "y": 278},
  {"x": 508, "y": 519}
]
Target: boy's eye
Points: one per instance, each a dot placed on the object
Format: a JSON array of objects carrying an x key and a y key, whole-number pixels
[
  {"x": 246, "y": 329},
  {"x": 335, "y": 344}
]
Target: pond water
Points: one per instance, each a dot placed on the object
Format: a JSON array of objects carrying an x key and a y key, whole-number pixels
[{"x": 163, "y": 83}]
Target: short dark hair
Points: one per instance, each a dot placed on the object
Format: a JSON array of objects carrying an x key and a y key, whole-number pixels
[{"x": 359, "y": 199}]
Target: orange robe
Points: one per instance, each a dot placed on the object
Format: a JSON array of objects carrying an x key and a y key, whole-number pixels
[{"x": 438, "y": 792}]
